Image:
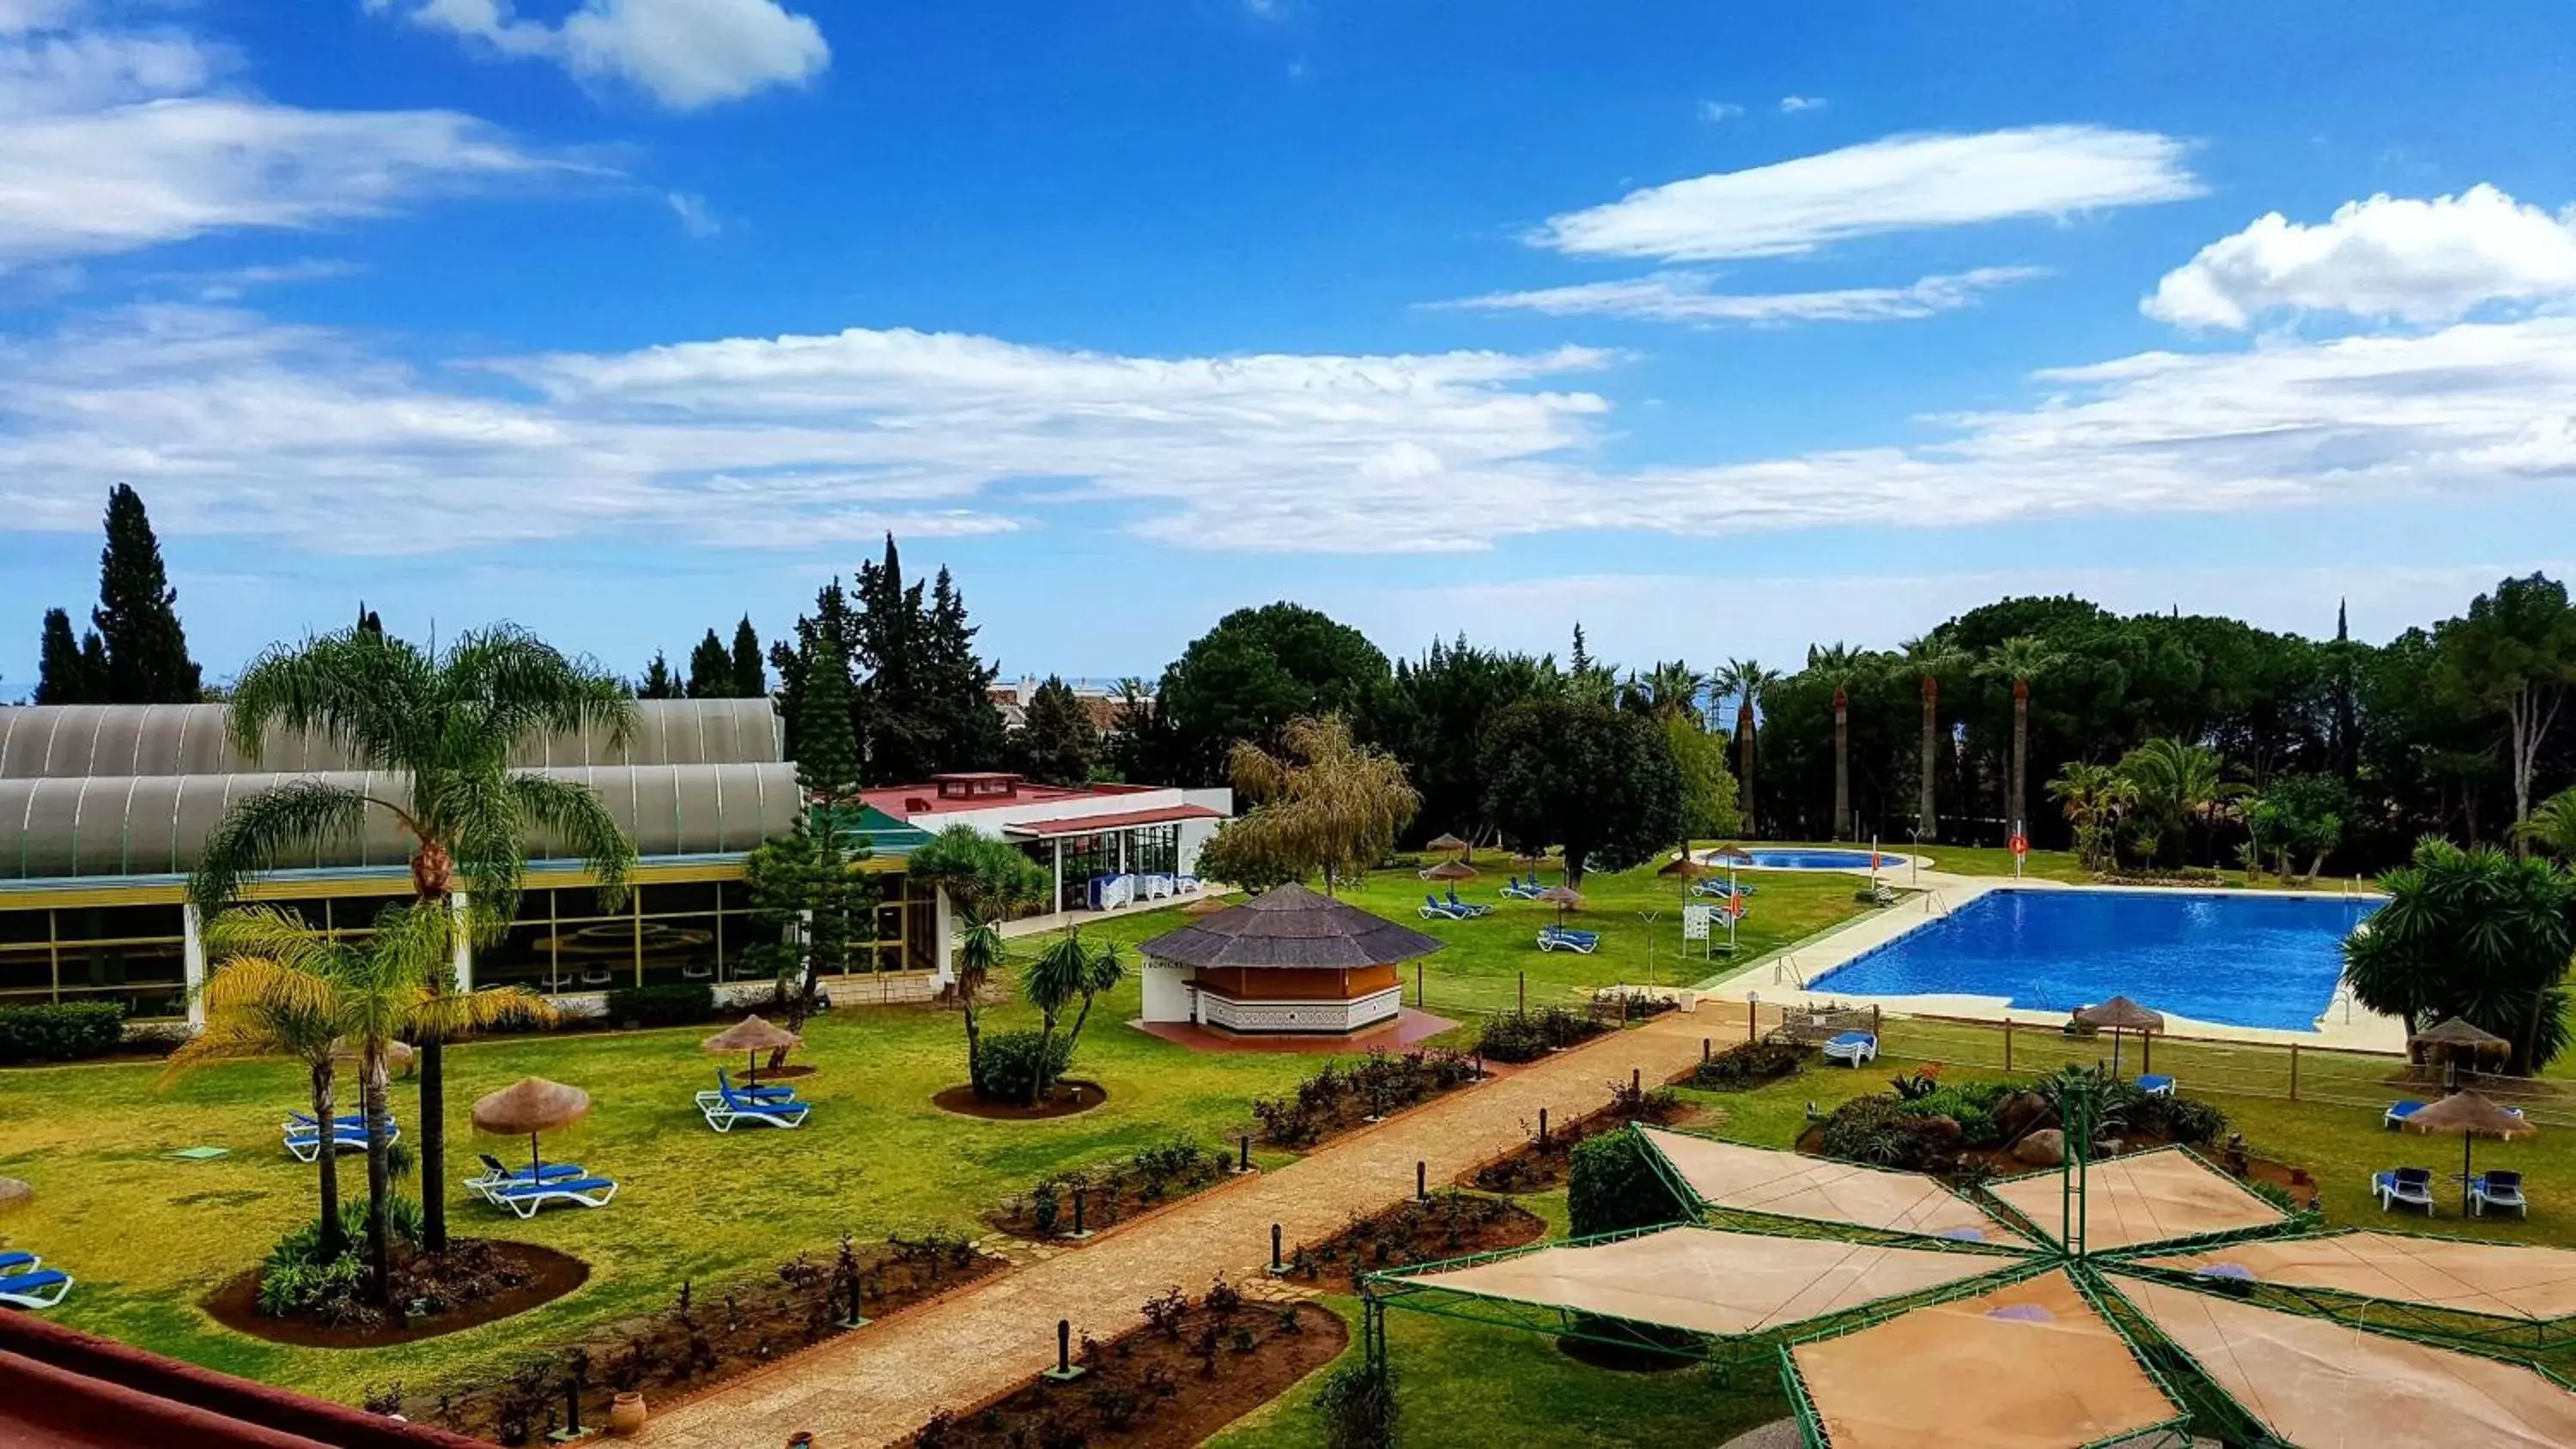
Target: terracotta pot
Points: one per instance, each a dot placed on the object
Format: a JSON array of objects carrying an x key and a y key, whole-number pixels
[{"x": 626, "y": 1415}]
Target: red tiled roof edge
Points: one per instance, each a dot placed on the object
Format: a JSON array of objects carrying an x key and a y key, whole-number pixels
[
  {"x": 1074, "y": 823},
  {"x": 113, "y": 1393}
]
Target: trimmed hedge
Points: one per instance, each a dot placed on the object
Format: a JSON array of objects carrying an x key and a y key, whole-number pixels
[
  {"x": 1614, "y": 1187},
  {"x": 60, "y": 1032},
  {"x": 667, "y": 1003}
]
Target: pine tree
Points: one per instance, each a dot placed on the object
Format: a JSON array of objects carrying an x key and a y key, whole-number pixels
[
  {"x": 898, "y": 729},
  {"x": 658, "y": 681},
  {"x": 750, "y": 681},
  {"x": 147, "y": 651},
  {"x": 827, "y": 748},
  {"x": 68, "y": 673},
  {"x": 831, "y": 620},
  {"x": 1057, "y": 743},
  {"x": 961, "y": 685},
  {"x": 2347, "y": 732},
  {"x": 710, "y": 669}
]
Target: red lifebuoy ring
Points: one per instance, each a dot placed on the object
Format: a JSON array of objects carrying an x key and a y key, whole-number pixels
[{"x": 2021, "y": 845}]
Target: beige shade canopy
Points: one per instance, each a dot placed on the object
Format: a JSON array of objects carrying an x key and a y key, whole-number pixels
[
  {"x": 2315, "y": 1382},
  {"x": 1732, "y": 852},
  {"x": 1685, "y": 865},
  {"x": 2026, "y": 1366},
  {"x": 1709, "y": 1281},
  {"x": 2471, "y": 1113},
  {"x": 1732, "y": 1176},
  {"x": 2142, "y": 1198},
  {"x": 1445, "y": 841},
  {"x": 2121, "y": 1014},
  {"x": 1565, "y": 896},
  {"x": 2458, "y": 1035},
  {"x": 1450, "y": 870},
  {"x": 15, "y": 1194},
  {"x": 2463, "y": 1277},
  {"x": 1206, "y": 906},
  {"x": 751, "y": 1034},
  {"x": 529, "y": 1106}
]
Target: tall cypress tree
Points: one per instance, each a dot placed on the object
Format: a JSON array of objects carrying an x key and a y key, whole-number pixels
[
  {"x": 710, "y": 669},
  {"x": 898, "y": 723},
  {"x": 66, "y": 672},
  {"x": 960, "y": 684},
  {"x": 658, "y": 681},
  {"x": 137, "y": 618},
  {"x": 750, "y": 681}
]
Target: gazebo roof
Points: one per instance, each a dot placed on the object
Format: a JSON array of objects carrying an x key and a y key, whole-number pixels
[{"x": 1290, "y": 926}]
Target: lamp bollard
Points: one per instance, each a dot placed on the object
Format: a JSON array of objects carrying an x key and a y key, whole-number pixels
[
  {"x": 1421, "y": 1180},
  {"x": 576, "y": 1369},
  {"x": 1636, "y": 1081},
  {"x": 1703, "y": 1048},
  {"x": 1542, "y": 1128},
  {"x": 1524, "y": 1008},
  {"x": 1243, "y": 1154},
  {"x": 858, "y": 1288},
  {"x": 1065, "y": 1370},
  {"x": 1079, "y": 1232},
  {"x": 1278, "y": 1268}
]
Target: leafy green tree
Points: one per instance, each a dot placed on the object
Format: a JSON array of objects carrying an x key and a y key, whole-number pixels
[
  {"x": 2175, "y": 783},
  {"x": 816, "y": 907},
  {"x": 1324, "y": 804},
  {"x": 1254, "y": 860},
  {"x": 2514, "y": 654},
  {"x": 1670, "y": 689},
  {"x": 1707, "y": 788},
  {"x": 658, "y": 681},
  {"x": 1142, "y": 747},
  {"x": 2094, "y": 797},
  {"x": 137, "y": 616},
  {"x": 834, "y": 620},
  {"x": 1745, "y": 682},
  {"x": 958, "y": 685},
  {"x": 750, "y": 680},
  {"x": 1057, "y": 743},
  {"x": 1258, "y": 669},
  {"x": 1614, "y": 1187},
  {"x": 69, "y": 670},
  {"x": 1581, "y": 775},
  {"x": 2296, "y": 818},
  {"x": 1433, "y": 718},
  {"x": 2019, "y": 660},
  {"x": 1925, "y": 659},
  {"x": 2475, "y": 934},
  {"x": 2552, "y": 826},
  {"x": 710, "y": 669},
  {"x": 1587, "y": 678},
  {"x": 439, "y": 730},
  {"x": 985, "y": 881}
]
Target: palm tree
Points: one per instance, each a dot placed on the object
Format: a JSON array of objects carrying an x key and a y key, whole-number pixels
[
  {"x": 442, "y": 727},
  {"x": 1841, "y": 666},
  {"x": 2094, "y": 797},
  {"x": 1745, "y": 681},
  {"x": 2552, "y": 825},
  {"x": 1667, "y": 691},
  {"x": 2019, "y": 659},
  {"x": 1926, "y": 659},
  {"x": 985, "y": 880},
  {"x": 1067, "y": 969},
  {"x": 2174, "y": 782}
]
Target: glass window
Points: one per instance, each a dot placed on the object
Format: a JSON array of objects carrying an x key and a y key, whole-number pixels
[
  {"x": 26, "y": 928},
  {"x": 594, "y": 955},
  {"x": 682, "y": 898},
  {"x": 680, "y": 948},
  {"x": 26, "y": 974},
  {"x": 119, "y": 923},
  {"x": 525, "y": 957}
]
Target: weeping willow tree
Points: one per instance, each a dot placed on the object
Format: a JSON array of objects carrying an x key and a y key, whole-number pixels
[{"x": 1323, "y": 804}]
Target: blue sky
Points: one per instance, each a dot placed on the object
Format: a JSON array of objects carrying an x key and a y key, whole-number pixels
[{"x": 1720, "y": 327}]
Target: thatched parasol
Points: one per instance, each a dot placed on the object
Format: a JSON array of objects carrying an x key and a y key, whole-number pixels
[
  {"x": 2453, "y": 1039},
  {"x": 531, "y": 1105},
  {"x": 1564, "y": 898},
  {"x": 2472, "y": 1116},
  {"x": 1207, "y": 906},
  {"x": 14, "y": 1194},
  {"x": 1446, "y": 841},
  {"x": 1688, "y": 866},
  {"x": 1450, "y": 870},
  {"x": 753, "y": 1036},
  {"x": 2117, "y": 1015},
  {"x": 1735, "y": 853}
]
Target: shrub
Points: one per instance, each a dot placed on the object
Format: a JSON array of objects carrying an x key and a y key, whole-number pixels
[
  {"x": 60, "y": 1032},
  {"x": 1614, "y": 1186},
  {"x": 1512, "y": 1037},
  {"x": 1971, "y": 1105},
  {"x": 1006, "y": 1068},
  {"x": 1358, "y": 1407},
  {"x": 664, "y": 1003},
  {"x": 1871, "y": 1130},
  {"x": 2180, "y": 1119},
  {"x": 1751, "y": 1064}
]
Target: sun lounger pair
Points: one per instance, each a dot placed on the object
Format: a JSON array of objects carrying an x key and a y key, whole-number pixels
[
  {"x": 1521, "y": 890},
  {"x": 303, "y": 1137},
  {"x": 1852, "y": 1048},
  {"x": 1435, "y": 909},
  {"x": 36, "y": 1290},
  {"x": 525, "y": 1197},
  {"x": 1470, "y": 907},
  {"x": 767, "y": 1106},
  {"x": 496, "y": 1178},
  {"x": 1567, "y": 938}
]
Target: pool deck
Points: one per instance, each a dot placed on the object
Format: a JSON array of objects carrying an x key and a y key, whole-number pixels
[{"x": 1779, "y": 980}]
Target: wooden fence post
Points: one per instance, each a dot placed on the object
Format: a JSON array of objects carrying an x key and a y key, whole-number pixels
[
  {"x": 2008, "y": 1026},
  {"x": 2294, "y": 1071}
]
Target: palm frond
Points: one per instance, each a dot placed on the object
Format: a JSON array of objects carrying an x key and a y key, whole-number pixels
[
  {"x": 369, "y": 693},
  {"x": 256, "y": 833},
  {"x": 269, "y": 934},
  {"x": 524, "y": 686},
  {"x": 449, "y": 1015}
]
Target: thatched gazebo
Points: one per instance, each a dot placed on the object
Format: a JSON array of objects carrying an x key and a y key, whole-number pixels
[
  {"x": 2453, "y": 1041},
  {"x": 1286, "y": 961},
  {"x": 2117, "y": 1015}
]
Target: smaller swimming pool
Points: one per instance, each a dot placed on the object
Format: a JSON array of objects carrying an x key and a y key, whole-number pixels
[{"x": 1820, "y": 858}]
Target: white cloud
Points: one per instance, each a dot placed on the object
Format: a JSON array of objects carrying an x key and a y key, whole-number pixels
[
  {"x": 2387, "y": 257},
  {"x": 1686, "y": 297},
  {"x": 1897, "y": 184},
  {"x": 19, "y": 16},
  {"x": 1714, "y": 112},
  {"x": 237, "y": 424},
  {"x": 111, "y": 142},
  {"x": 1792, "y": 105},
  {"x": 696, "y": 218},
  {"x": 684, "y": 53}
]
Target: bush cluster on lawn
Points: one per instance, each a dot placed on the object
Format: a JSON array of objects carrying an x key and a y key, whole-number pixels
[
  {"x": 1525, "y": 1036},
  {"x": 297, "y": 1281},
  {"x": 1144, "y": 1179},
  {"x": 664, "y": 1003},
  {"x": 1335, "y": 1096},
  {"x": 1924, "y": 1125},
  {"x": 1633, "y": 1003},
  {"x": 1750, "y": 1064},
  {"x": 1006, "y": 1065},
  {"x": 60, "y": 1032},
  {"x": 1615, "y": 1187}
]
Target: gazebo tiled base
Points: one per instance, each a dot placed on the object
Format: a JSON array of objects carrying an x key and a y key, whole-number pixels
[{"x": 1262, "y": 1015}]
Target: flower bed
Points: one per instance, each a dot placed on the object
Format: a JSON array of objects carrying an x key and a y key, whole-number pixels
[
  {"x": 1750, "y": 1064},
  {"x": 1336, "y": 1098},
  {"x": 1112, "y": 1192},
  {"x": 1535, "y": 1165},
  {"x": 1191, "y": 1370},
  {"x": 699, "y": 1341},
  {"x": 1451, "y": 1224},
  {"x": 1525, "y": 1036}
]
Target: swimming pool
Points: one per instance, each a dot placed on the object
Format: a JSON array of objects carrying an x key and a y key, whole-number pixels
[
  {"x": 2250, "y": 960},
  {"x": 1795, "y": 858}
]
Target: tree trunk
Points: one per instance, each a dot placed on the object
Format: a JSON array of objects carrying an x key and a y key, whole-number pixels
[
  {"x": 1926, "y": 824},
  {"x": 2021, "y": 757},
  {"x": 433, "y": 1145},
  {"x": 1039, "y": 1074},
  {"x": 1744, "y": 737},
  {"x": 325, "y": 1109},
  {"x": 380, "y": 1261},
  {"x": 1842, "y": 767}
]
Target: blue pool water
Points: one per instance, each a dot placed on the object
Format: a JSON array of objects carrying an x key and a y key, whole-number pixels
[
  {"x": 1819, "y": 859},
  {"x": 2268, "y": 961}
]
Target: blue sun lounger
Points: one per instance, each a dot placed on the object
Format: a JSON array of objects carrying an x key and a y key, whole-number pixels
[
  {"x": 2156, "y": 1084},
  {"x": 756, "y": 1092},
  {"x": 305, "y": 1145},
  {"x": 2495, "y": 1188},
  {"x": 1434, "y": 909},
  {"x": 730, "y": 1107},
  {"x": 1470, "y": 907},
  {"x": 2411, "y": 1186},
  {"x": 18, "y": 1262},
  {"x": 1521, "y": 890},
  {"x": 525, "y": 1198},
  {"x": 38, "y": 1290},
  {"x": 2398, "y": 1112},
  {"x": 495, "y": 1176},
  {"x": 1852, "y": 1048},
  {"x": 1567, "y": 938}
]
